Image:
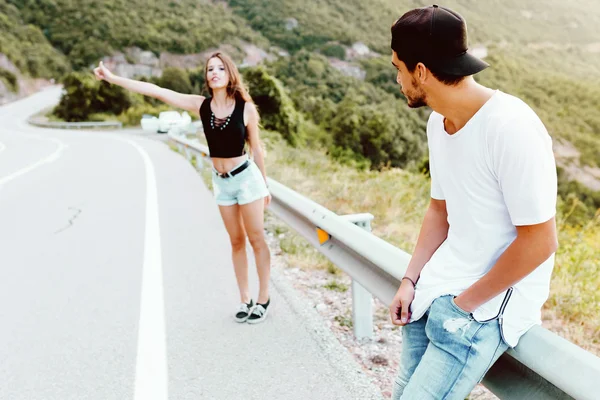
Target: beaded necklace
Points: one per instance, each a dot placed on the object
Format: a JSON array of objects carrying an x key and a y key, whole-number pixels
[{"x": 220, "y": 123}]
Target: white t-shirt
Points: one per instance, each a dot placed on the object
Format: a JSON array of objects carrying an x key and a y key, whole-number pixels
[{"x": 495, "y": 173}]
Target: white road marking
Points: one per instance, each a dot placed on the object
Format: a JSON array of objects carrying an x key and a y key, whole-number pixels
[
  {"x": 51, "y": 158},
  {"x": 151, "y": 374}
]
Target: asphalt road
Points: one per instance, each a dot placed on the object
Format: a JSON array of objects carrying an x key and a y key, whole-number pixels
[{"x": 116, "y": 280}]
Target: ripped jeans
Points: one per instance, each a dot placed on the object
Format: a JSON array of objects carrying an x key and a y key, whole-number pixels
[{"x": 446, "y": 353}]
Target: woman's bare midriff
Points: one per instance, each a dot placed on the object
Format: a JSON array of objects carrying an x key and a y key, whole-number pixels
[{"x": 224, "y": 165}]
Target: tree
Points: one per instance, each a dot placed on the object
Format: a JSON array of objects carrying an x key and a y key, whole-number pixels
[
  {"x": 79, "y": 92},
  {"x": 88, "y": 52},
  {"x": 378, "y": 132},
  {"x": 198, "y": 80},
  {"x": 276, "y": 108},
  {"x": 175, "y": 79}
]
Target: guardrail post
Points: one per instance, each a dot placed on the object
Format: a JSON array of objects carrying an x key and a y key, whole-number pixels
[{"x": 362, "y": 299}]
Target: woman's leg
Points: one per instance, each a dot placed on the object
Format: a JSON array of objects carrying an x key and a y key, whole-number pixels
[
  {"x": 235, "y": 228},
  {"x": 253, "y": 217}
]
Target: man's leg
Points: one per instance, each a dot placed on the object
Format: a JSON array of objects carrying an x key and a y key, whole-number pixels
[
  {"x": 460, "y": 352},
  {"x": 414, "y": 344}
]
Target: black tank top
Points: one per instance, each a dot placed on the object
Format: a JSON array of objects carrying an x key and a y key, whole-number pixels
[{"x": 228, "y": 140}]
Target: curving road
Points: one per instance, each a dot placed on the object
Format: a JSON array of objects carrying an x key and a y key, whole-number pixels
[{"x": 116, "y": 280}]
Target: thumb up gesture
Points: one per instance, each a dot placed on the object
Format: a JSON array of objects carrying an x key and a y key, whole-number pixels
[{"x": 102, "y": 73}]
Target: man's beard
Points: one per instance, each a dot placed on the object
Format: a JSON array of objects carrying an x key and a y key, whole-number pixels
[
  {"x": 417, "y": 102},
  {"x": 416, "y": 98}
]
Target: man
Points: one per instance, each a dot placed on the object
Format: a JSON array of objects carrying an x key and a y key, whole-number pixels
[{"x": 481, "y": 269}]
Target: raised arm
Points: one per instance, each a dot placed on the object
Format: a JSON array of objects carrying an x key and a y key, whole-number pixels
[{"x": 188, "y": 102}]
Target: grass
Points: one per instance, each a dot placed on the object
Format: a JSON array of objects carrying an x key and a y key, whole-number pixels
[
  {"x": 396, "y": 198},
  {"x": 575, "y": 290},
  {"x": 344, "y": 320},
  {"x": 173, "y": 147},
  {"x": 298, "y": 251},
  {"x": 336, "y": 286},
  {"x": 333, "y": 270}
]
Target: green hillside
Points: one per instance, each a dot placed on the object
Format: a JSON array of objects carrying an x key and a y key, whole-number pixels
[
  {"x": 27, "y": 47},
  {"x": 560, "y": 34},
  {"x": 187, "y": 26},
  {"x": 490, "y": 21},
  {"x": 86, "y": 30}
]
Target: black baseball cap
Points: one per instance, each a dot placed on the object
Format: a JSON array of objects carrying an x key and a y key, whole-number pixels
[{"x": 437, "y": 37}]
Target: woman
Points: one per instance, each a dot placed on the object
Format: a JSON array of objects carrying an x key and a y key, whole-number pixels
[{"x": 230, "y": 122}]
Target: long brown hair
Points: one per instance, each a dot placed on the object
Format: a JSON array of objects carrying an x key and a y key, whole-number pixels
[{"x": 235, "y": 86}]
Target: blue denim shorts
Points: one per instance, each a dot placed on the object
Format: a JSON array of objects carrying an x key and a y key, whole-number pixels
[{"x": 243, "y": 188}]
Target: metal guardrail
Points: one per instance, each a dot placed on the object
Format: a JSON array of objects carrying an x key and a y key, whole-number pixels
[
  {"x": 75, "y": 125},
  {"x": 543, "y": 365}
]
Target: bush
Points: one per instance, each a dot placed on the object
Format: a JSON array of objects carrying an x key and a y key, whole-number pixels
[
  {"x": 10, "y": 79},
  {"x": 348, "y": 157},
  {"x": 79, "y": 93},
  {"x": 84, "y": 95},
  {"x": 334, "y": 50},
  {"x": 111, "y": 98}
]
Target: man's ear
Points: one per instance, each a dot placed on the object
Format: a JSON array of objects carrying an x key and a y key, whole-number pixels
[{"x": 422, "y": 73}]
